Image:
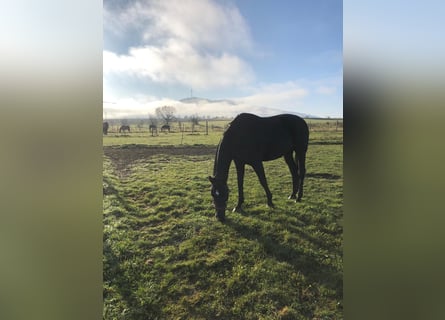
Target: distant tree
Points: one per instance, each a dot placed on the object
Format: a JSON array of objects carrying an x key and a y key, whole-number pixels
[
  {"x": 152, "y": 124},
  {"x": 152, "y": 119},
  {"x": 166, "y": 113},
  {"x": 140, "y": 124},
  {"x": 194, "y": 119}
]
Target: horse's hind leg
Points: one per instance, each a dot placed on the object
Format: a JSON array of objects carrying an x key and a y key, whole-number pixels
[
  {"x": 301, "y": 158},
  {"x": 294, "y": 172},
  {"x": 259, "y": 170}
]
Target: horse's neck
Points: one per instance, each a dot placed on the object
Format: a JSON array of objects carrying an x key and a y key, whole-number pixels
[{"x": 222, "y": 162}]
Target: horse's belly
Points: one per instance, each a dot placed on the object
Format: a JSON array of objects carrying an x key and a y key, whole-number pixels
[
  {"x": 270, "y": 157},
  {"x": 275, "y": 151},
  {"x": 253, "y": 157},
  {"x": 268, "y": 151}
]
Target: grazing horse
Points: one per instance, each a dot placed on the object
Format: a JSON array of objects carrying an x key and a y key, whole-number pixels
[
  {"x": 251, "y": 140},
  {"x": 153, "y": 128},
  {"x": 105, "y": 126},
  {"x": 165, "y": 127},
  {"x": 124, "y": 128}
]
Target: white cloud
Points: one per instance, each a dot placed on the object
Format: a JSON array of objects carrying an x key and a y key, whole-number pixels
[
  {"x": 180, "y": 63},
  {"x": 140, "y": 108},
  {"x": 201, "y": 23},
  {"x": 275, "y": 95},
  {"x": 302, "y": 96},
  {"x": 264, "y": 100},
  {"x": 326, "y": 90},
  {"x": 193, "y": 43}
]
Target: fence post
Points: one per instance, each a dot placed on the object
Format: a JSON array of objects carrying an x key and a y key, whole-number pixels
[{"x": 182, "y": 135}]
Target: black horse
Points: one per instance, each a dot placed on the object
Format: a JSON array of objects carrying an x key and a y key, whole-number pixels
[
  {"x": 251, "y": 140},
  {"x": 105, "y": 126},
  {"x": 165, "y": 127},
  {"x": 124, "y": 128}
]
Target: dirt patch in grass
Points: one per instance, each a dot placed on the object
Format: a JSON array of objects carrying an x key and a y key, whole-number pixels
[{"x": 124, "y": 156}]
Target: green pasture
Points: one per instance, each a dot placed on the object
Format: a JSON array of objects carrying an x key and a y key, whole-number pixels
[
  {"x": 165, "y": 256},
  {"x": 323, "y": 130}
]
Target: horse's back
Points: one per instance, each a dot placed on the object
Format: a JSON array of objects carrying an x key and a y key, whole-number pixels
[
  {"x": 251, "y": 125},
  {"x": 272, "y": 137}
]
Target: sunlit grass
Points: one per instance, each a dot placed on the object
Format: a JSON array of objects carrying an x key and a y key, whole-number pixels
[{"x": 167, "y": 257}]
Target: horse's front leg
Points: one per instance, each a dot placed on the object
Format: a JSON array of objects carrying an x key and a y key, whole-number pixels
[{"x": 240, "y": 175}]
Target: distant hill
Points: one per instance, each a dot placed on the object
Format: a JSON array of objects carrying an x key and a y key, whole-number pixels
[
  {"x": 204, "y": 100},
  {"x": 263, "y": 111},
  {"x": 194, "y": 106}
]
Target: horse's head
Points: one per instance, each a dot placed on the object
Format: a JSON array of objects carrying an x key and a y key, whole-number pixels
[{"x": 220, "y": 194}]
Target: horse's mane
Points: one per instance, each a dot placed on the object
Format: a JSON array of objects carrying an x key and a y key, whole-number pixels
[{"x": 215, "y": 163}]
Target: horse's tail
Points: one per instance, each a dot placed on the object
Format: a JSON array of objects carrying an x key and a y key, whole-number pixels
[
  {"x": 300, "y": 155},
  {"x": 305, "y": 136},
  {"x": 300, "y": 133}
]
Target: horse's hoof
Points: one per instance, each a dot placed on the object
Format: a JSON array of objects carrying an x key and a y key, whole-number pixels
[
  {"x": 237, "y": 209},
  {"x": 292, "y": 196}
]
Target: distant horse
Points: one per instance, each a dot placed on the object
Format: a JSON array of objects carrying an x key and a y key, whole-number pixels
[
  {"x": 165, "y": 127},
  {"x": 251, "y": 140},
  {"x": 153, "y": 128},
  {"x": 105, "y": 126},
  {"x": 124, "y": 128}
]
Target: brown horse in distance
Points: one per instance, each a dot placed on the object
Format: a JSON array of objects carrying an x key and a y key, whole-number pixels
[
  {"x": 124, "y": 128},
  {"x": 105, "y": 127}
]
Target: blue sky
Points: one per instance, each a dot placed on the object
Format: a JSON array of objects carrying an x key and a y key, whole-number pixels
[{"x": 284, "y": 55}]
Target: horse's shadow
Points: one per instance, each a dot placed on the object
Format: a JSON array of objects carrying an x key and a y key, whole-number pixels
[
  {"x": 308, "y": 263},
  {"x": 328, "y": 176}
]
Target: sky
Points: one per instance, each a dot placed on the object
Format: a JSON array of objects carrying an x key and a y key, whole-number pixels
[{"x": 263, "y": 57}]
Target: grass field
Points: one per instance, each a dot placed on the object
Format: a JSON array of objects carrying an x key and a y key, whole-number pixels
[
  {"x": 321, "y": 130},
  {"x": 167, "y": 257}
]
